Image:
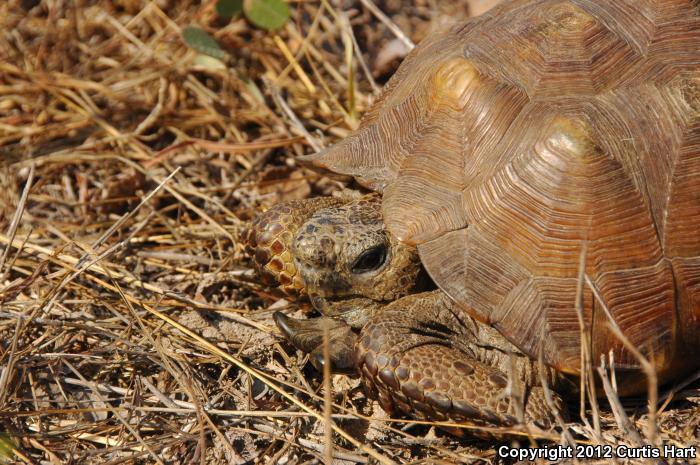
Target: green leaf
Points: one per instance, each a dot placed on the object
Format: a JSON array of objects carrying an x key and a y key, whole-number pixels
[
  {"x": 208, "y": 62},
  {"x": 200, "y": 40},
  {"x": 254, "y": 90},
  {"x": 229, "y": 8},
  {"x": 267, "y": 14}
]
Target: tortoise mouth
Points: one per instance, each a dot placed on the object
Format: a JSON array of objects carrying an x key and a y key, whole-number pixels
[
  {"x": 353, "y": 309},
  {"x": 337, "y": 305}
]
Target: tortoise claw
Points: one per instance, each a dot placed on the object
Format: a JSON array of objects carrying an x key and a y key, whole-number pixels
[
  {"x": 307, "y": 336},
  {"x": 303, "y": 334}
]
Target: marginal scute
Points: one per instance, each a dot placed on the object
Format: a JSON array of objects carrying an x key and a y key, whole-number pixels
[
  {"x": 375, "y": 152},
  {"x": 643, "y": 304},
  {"x": 472, "y": 270},
  {"x": 687, "y": 273},
  {"x": 682, "y": 196},
  {"x": 555, "y": 332}
]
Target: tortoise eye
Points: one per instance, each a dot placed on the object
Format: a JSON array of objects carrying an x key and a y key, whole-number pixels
[{"x": 370, "y": 259}]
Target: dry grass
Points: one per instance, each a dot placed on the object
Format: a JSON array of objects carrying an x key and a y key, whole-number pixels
[{"x": 131, "y": 327}]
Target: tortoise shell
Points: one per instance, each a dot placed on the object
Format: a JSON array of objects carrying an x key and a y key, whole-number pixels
[{"x": 544, "y": 137}]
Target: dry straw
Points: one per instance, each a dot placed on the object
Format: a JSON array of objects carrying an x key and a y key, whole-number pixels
[{"x": 131, "y": 327}]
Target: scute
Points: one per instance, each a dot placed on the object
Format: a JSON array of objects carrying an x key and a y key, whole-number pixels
[
  {"x": 511, "y": 144},
  {"x": 687, "y": 273},
  {"x": 573, "y": 136},
  {"x": 454, "y": 81},
  {"x": 682, "y": 221},
  {"x": 553, "y": 48}
]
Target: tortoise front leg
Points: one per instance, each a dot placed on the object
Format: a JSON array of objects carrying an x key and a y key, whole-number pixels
[{"x": 421, "y": 356}]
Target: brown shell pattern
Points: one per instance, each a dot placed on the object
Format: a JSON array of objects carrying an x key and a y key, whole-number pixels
[{"x": 504, "y": 145}]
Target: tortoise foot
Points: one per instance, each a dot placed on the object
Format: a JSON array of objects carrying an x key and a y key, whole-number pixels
[
  {"x": 307, "y": 336},
  {"x": 419, "y": 358}
]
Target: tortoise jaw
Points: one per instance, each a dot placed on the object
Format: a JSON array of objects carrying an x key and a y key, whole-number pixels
[{"x": 355, "y": 310}]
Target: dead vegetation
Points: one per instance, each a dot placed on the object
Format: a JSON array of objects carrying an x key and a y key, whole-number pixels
[{"x": 131, "y": 327}]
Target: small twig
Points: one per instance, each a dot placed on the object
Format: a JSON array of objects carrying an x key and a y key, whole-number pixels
[
  {"x": 16, "y": 219},
  {"x": 295, "y": 64},
  {"x": 623, "y": 421},
  {"x": 550, "y": 400},
  {"x": 369, "y": 4},
  {"x": 98, "y": 243},
  {"x": 358, "y": 55},
  {"x": 155, "y": 112},
  {"x": 327, "y": 397},
  {"x": 652, "y": 380},
  {"x": 587, "y": 381},
  {"x": 6, "y": 371},
  {"x": 296, "y": 123},
  {"x": 121, "y": 419},
  {"x": 313, "y": 445},
  {"x": 668, "y": 396}
]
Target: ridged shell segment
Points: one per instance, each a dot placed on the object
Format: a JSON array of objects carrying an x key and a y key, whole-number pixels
[{"x": 506, "y": 144}]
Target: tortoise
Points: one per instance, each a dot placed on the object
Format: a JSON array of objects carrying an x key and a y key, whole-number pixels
[{"x": 535, "y": 196}]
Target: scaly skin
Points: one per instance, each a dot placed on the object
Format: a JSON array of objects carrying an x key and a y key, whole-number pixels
[
  {"x": 417, "y": 352},
  {"x": 420, "y": 355},
  {"x": 269, "y": 241}
]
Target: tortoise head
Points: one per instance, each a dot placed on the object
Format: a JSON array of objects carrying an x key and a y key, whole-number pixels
[{"x": 340, "y": 255}]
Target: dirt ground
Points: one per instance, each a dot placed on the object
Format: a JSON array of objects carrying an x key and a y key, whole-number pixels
[{"x": 132, "y": 326}]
